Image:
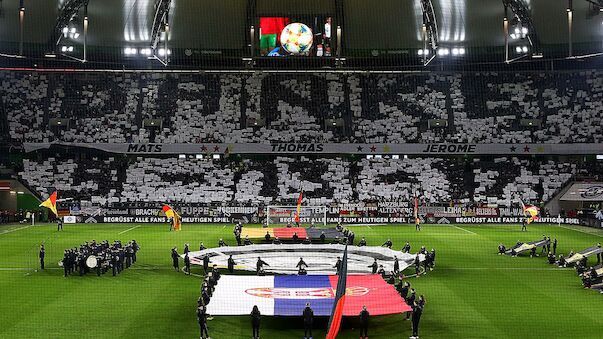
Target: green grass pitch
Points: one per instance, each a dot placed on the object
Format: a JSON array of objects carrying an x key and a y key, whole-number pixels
[{"x": 472, "y": 293}]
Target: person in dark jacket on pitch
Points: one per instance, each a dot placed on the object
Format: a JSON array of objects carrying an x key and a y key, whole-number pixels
[
  {"x": 381, "y": 271},
  {"x": 295, "y": 238},
  {"x": 259, "y": 266},
  {"x": 221, "y": 243},
  {"x": 501, "y": 249},
  {"x": 247, "y": 241},
  {"x": 175, "y": 257},
  {"x": 186, "y": 249},
  {"x": 205, "y": 263},
  {"x": 362, "y": 242},
  {"x": 308, "y": 315},
  {"x": 276, "y": 241},
  {"x": 337, "y": 266},
  {"x": 42, "y": 255},
  {"x": 135, "y": 248},
  {"x": 406, "y": 248},
  {"x": 416, "y": 316},
  {"x": 396, "y": 265},
  {"x": 417, "y": 265},
  {"x": 323, "y": 237},
  {"x": 231, "y": 264},
  {"x": 404, "y": 288},
  {"x": 187, "y": 264},
  {"x": 388, "y": 244},
  {"x": 301, "y": 264},
  {"x": 255, "y": 322},
  {"x": 551, "y": 258},
  {"x": 599, "y": 255},
  {"x": 267, "y": 237},
  {"x": 374, "y": 266},
  {"x": 548, "y": 246},
  {"x": 555, "y": 246},
  {"x": 202, "y": 320},
  {"x": 201, "y": 246},
  {"x": 523, "y": 225},
  {"x": 410, "y": 301},
  {"x": 114, "y": 263},
  {"x": 364, "y": 319}
]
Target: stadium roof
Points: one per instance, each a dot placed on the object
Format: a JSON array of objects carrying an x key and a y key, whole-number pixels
[{"x": 377, "y": 28}]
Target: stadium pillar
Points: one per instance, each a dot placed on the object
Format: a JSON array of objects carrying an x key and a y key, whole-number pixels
[
  {"x": 85, "y": 32},
  {"x": 21, "y": 19},
  {"x": 570, "y": 24}
]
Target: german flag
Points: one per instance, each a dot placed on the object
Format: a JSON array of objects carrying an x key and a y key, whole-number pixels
[
  {"x": 530, "y": 211},
  {"x": 170, "y": 213},
  {"x": 299, "y": 202},
  {"x": 338, "y": 303},
  {"x": 51, "y": 203}
]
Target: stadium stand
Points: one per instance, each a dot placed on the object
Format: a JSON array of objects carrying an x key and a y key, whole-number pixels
[
  {"x": 109, "y": 180},
  {"x": 317, "y": 107}
]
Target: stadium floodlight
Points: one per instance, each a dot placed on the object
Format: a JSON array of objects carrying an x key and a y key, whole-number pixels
[
  {"x": 524, "y": 26},
  {"x": 182, "y": 156},
  {"x": 455, "y": 51},
  {"x": 160, "y": 30},
  {"x": 405, "y": 156},
  {"x": 198, "y": 156},
  {"x": 429, "y": 29},
  {"x": 462, "y": 51},
  {"x": 599, "y": 156},
  {"x": 13, "y": 192},
  {"x": 20, "y": 192},
  {"x": 443, "y": 51},
  {"x": 161, "y": 52},
  {"x": 216, "y": 156},
  {"x": 395, "y": 157}
]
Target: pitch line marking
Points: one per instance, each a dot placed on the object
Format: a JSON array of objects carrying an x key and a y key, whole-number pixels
[
  {"x": 462, "y": 229},
  {"x": 15, "y": 229},
  {"x": 581, "y": 231},
  {"x": 129, "y": 229}
]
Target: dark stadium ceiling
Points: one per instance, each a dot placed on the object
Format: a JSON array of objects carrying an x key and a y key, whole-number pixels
[{"x": 371, "y": 27}]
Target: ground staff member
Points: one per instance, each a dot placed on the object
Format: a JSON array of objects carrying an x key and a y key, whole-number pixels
[
  {"x": 255, "y": 322},
  {"x": 308, "y": 320},
  {"x": 416, "y": 316},
  {"x": 364, "y": 318}
]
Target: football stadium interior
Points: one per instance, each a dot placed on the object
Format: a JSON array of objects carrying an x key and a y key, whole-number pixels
[{"x": 207, "y": 169}]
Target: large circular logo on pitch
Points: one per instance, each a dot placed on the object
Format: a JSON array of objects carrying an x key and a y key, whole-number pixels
[{"x": 593, "y": 192}]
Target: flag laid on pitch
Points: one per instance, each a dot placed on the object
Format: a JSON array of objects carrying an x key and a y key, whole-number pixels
[
  {"x": 299, "y": 202},
  {"x": 287, "y": 295},
  {"x": 340, "y": 296},
  {"x": 170, "y": 213},
  {"x": 51, "y": 203},
  {"x": 531, "y": 211}
]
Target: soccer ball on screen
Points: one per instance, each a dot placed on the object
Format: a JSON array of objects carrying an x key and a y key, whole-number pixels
[{"x": 297, "y": 38}]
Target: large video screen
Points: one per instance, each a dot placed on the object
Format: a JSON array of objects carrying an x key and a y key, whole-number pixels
[{"x": 304, "y": 36}]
